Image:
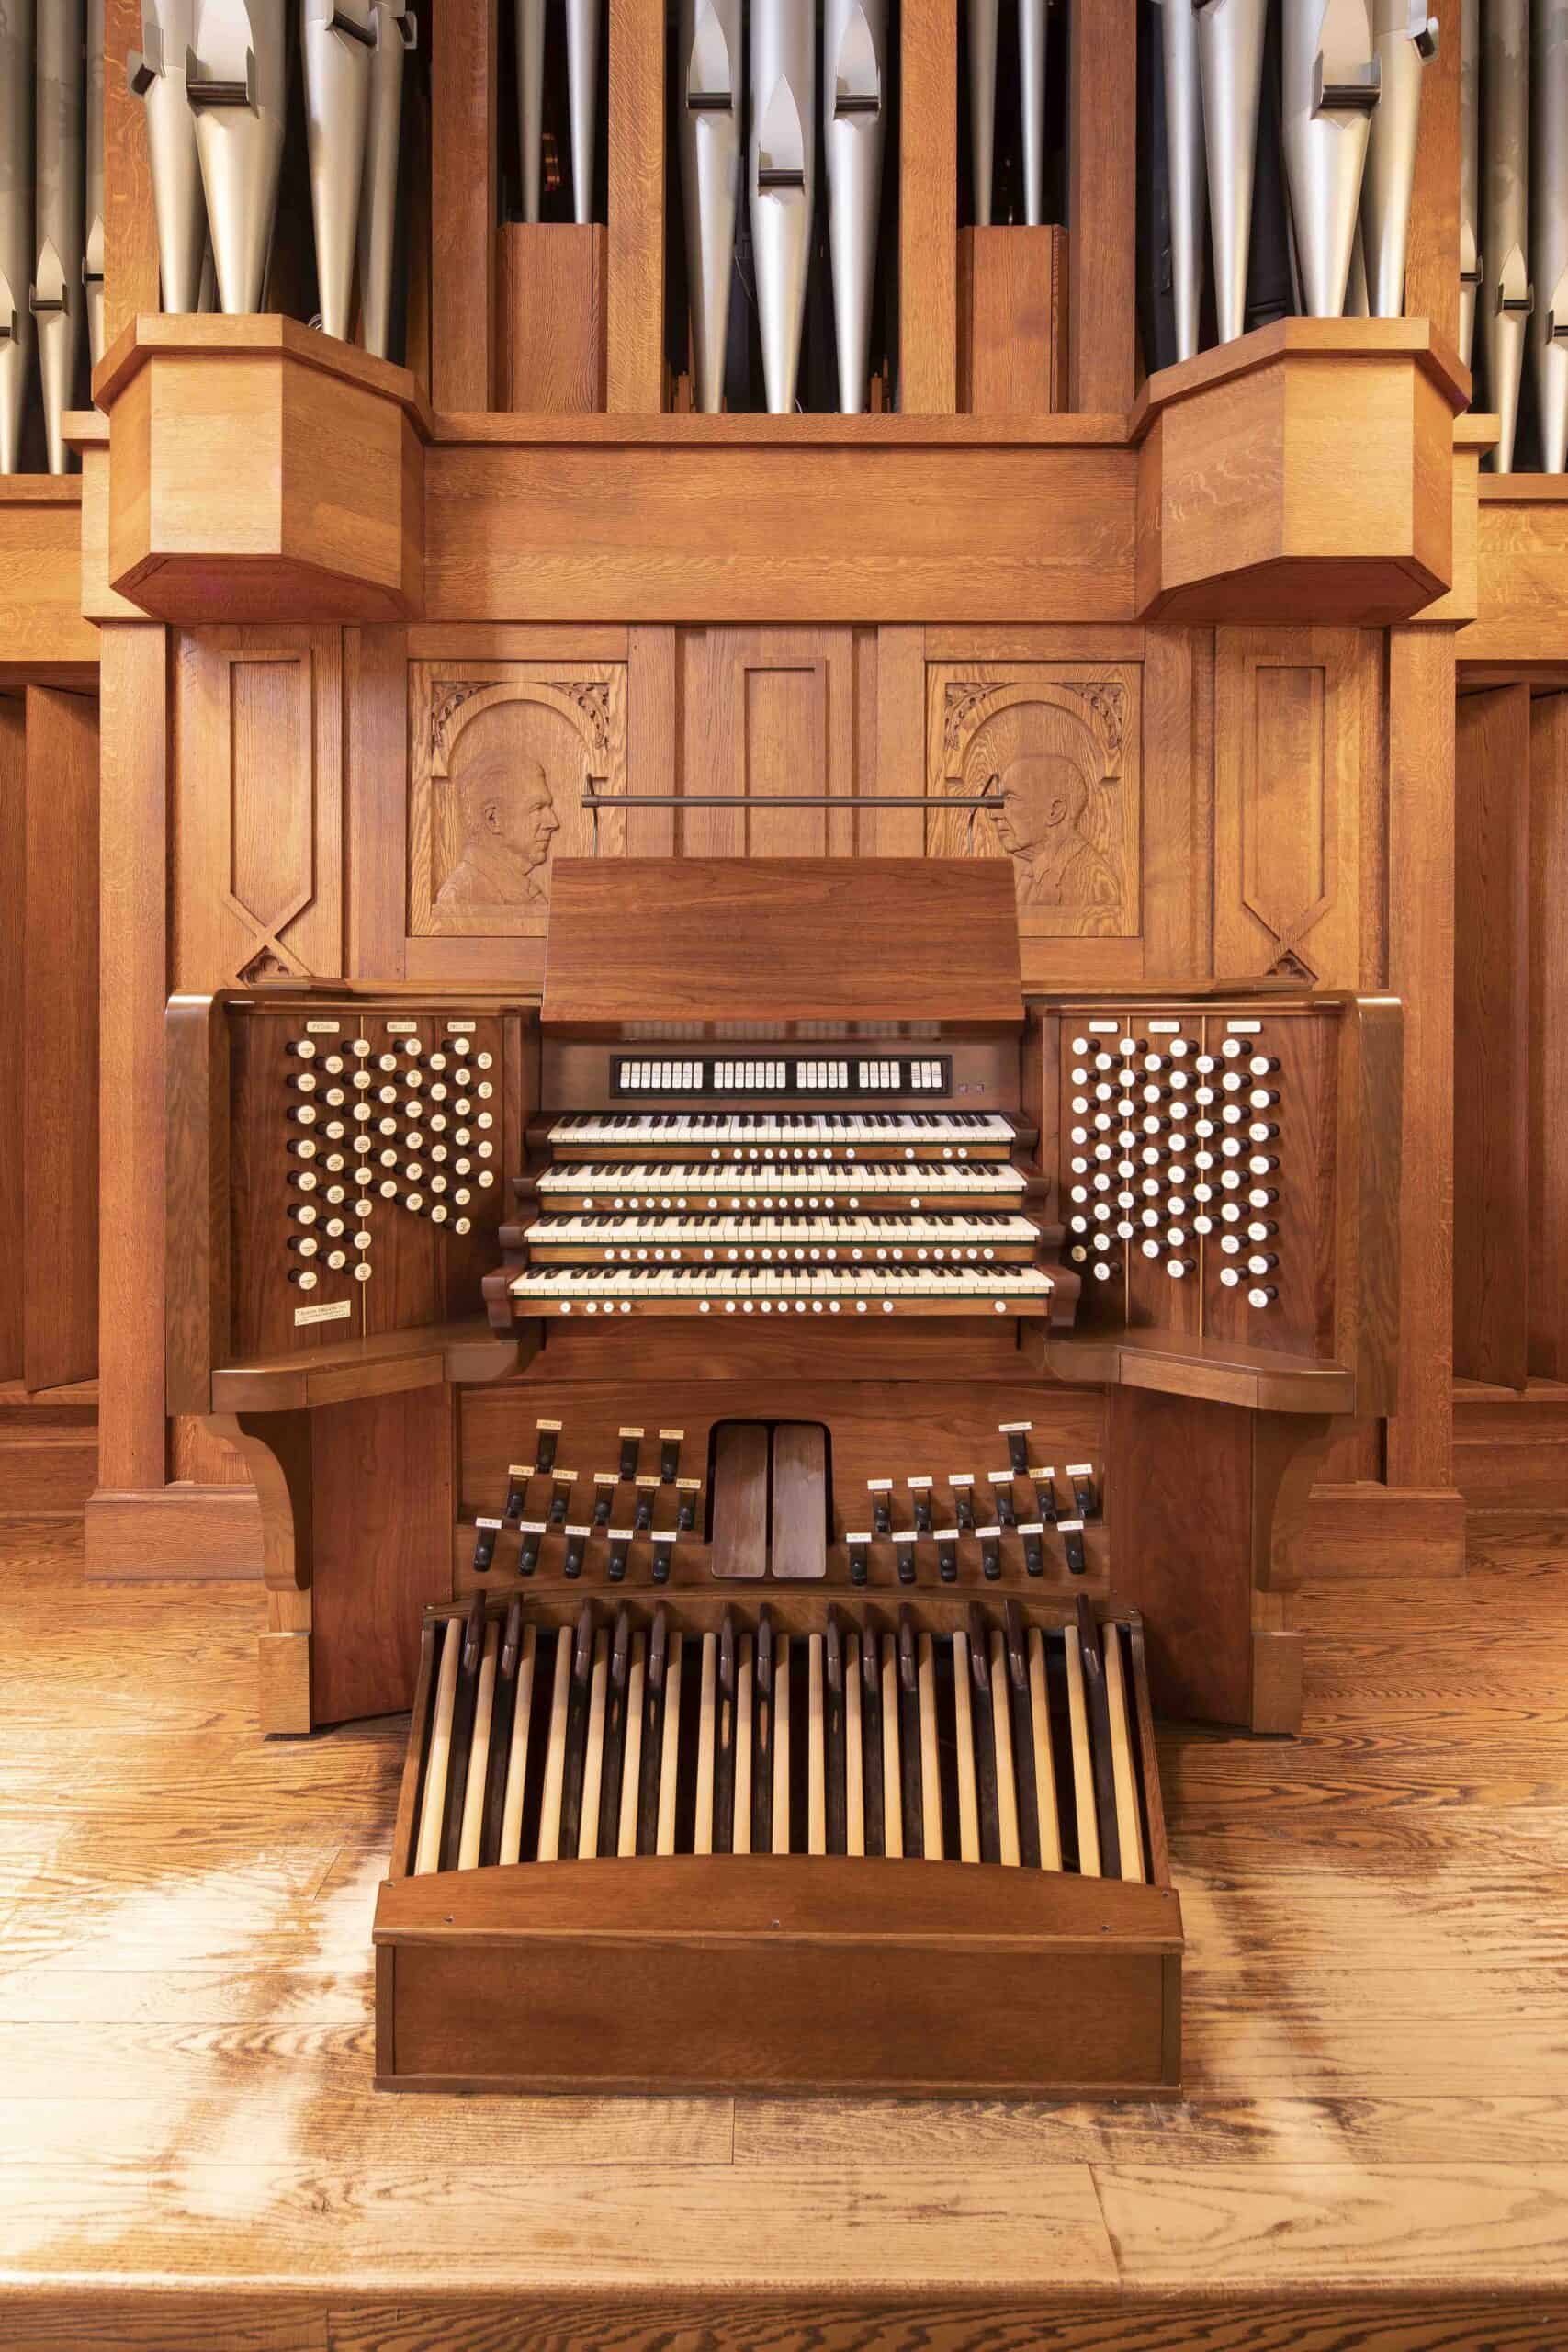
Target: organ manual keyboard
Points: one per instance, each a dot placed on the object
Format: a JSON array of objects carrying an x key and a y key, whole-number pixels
[{"x": 814, "y": 1181}]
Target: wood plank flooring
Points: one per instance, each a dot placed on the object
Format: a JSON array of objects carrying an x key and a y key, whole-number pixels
[{"x": 1372, "y": 2155}]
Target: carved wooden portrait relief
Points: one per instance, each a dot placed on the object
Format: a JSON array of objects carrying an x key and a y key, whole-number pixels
[
  {"x": 500, "y": 765},
  {"x": 1055, "y": 748}
]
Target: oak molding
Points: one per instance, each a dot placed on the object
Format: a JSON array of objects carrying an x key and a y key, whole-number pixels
[
  {"x": 41, "y": 568},
  {"x": 260, "y": 471}
]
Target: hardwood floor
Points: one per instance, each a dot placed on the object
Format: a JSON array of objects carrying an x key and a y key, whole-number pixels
[{"x": 1373, "y": 2153}]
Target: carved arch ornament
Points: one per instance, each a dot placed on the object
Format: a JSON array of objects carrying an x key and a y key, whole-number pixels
[
  {"x": 1059, "y": 755},
  {"x": 500, "y": 769}
]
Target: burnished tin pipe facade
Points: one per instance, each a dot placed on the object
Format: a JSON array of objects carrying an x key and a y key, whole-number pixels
[
  {"x": 854, "y": 114},
  {"x": 1548, "y": 228},
  {"x": 236, "y": 80},
  {"x": 158, "y": 76},
  {"x": 15, "y": 225},
  {"x": 1329, "y": 86},
  {"x": 530, "y": 25},
  {"x": 396, "y": 33},
  {"x": 1031, "y": 91},
  {"x": 584, "y": 30},
  {"x": 781, "y": 172},
  {"x": 709, "y": 99},
  {"x": 1505, "y": 292},
  {"x": 1406, "y": 41},
  {"x": 93, "y": 271},
  {"x": 982, "y": 26},
  {"x": 337, "y": 42},
  {"x": 1185, "y": 168},
  {"x": 1230, "y": 57},
  {"x": 1468, "y": 175},
  {"x": 59, "y": 310}
]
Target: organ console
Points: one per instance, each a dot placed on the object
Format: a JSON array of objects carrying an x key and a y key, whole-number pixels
[{"x": 893, "y": 1389}]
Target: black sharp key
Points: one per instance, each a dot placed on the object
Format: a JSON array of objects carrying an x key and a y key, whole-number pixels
[
  {"x": 614, "y": 1735},
  {"x": 1021, "y": 1707},
  {"x": 462, "y": 1731},
  {"x": 871, "y": 1739},
  {"x": 485, "y": 1532},
  {"x": 578, "y": 1697},
  {"x": 910, "y": 1754},
  {"x": 985, "y": 1738},
  {"x": 1098, "y": 1708},
  {"x": 652, "y": 1735},
  {"x": 833, "y": 1734},
  {"x": 763, "y": 1738},
  {"x": 503, "y": 1707},
  {"x": 723, "y": 1741}
]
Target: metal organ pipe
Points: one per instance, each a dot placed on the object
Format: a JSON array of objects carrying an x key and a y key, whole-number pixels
[
  {"x": 1032, "y": 85},
  {"x": 783, "y": 170},
  {"x": 93, "y": 266},
  {"x": 16, "y": 224},
  {"x": 855, "y": 135},
  {"x": 236, "y": 80},
  {"x": 338, "y": 39},
  {"x": 1230, "y": 58},
  {"x": 1469, "y": 172},
  {"x": 1505, "y": 292},
  {"x": 584, "y": 24},
  {"x": 1406, "y": 40},
  {"x": 396, "y": 33},
  {"x": 530, "y": 22},
  {"x": 1329, "y": 86},
  {"x": 983, "y": 15},
  {"x": 710, "y": 56},
  {"x": 157, "y": 73},
  {"x": 1184, "y": 160},
  {"x": 56, "y": 294},
  {"x": 1549, "y": 230}
]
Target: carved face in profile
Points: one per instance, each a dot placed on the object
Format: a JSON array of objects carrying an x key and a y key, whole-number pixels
[
  {"x": 507, "y": 821},
  {"x": 1042, "y": 803}
]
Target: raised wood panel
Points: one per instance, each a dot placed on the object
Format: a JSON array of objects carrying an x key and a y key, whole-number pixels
[
  {"x": 1012, "y": 321},
  {"x": 1298, "y": 829},
  {"x": 768, "y": 713},
  {"x": 1548, "y": 1031},
  {"x": 1061, "y": 745},
  {"x": 462, "y": 231},
  {"x": 258, "y": 804},
  {"x": 1492, "y": 775},
  {"x": 60, "y": 1228},
  {"x": 12, "y": 1016},
  {"x": 1421, "y": 974},
  {"x": 550, "y": 322},
  {"x": 502, "y": 754}
]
